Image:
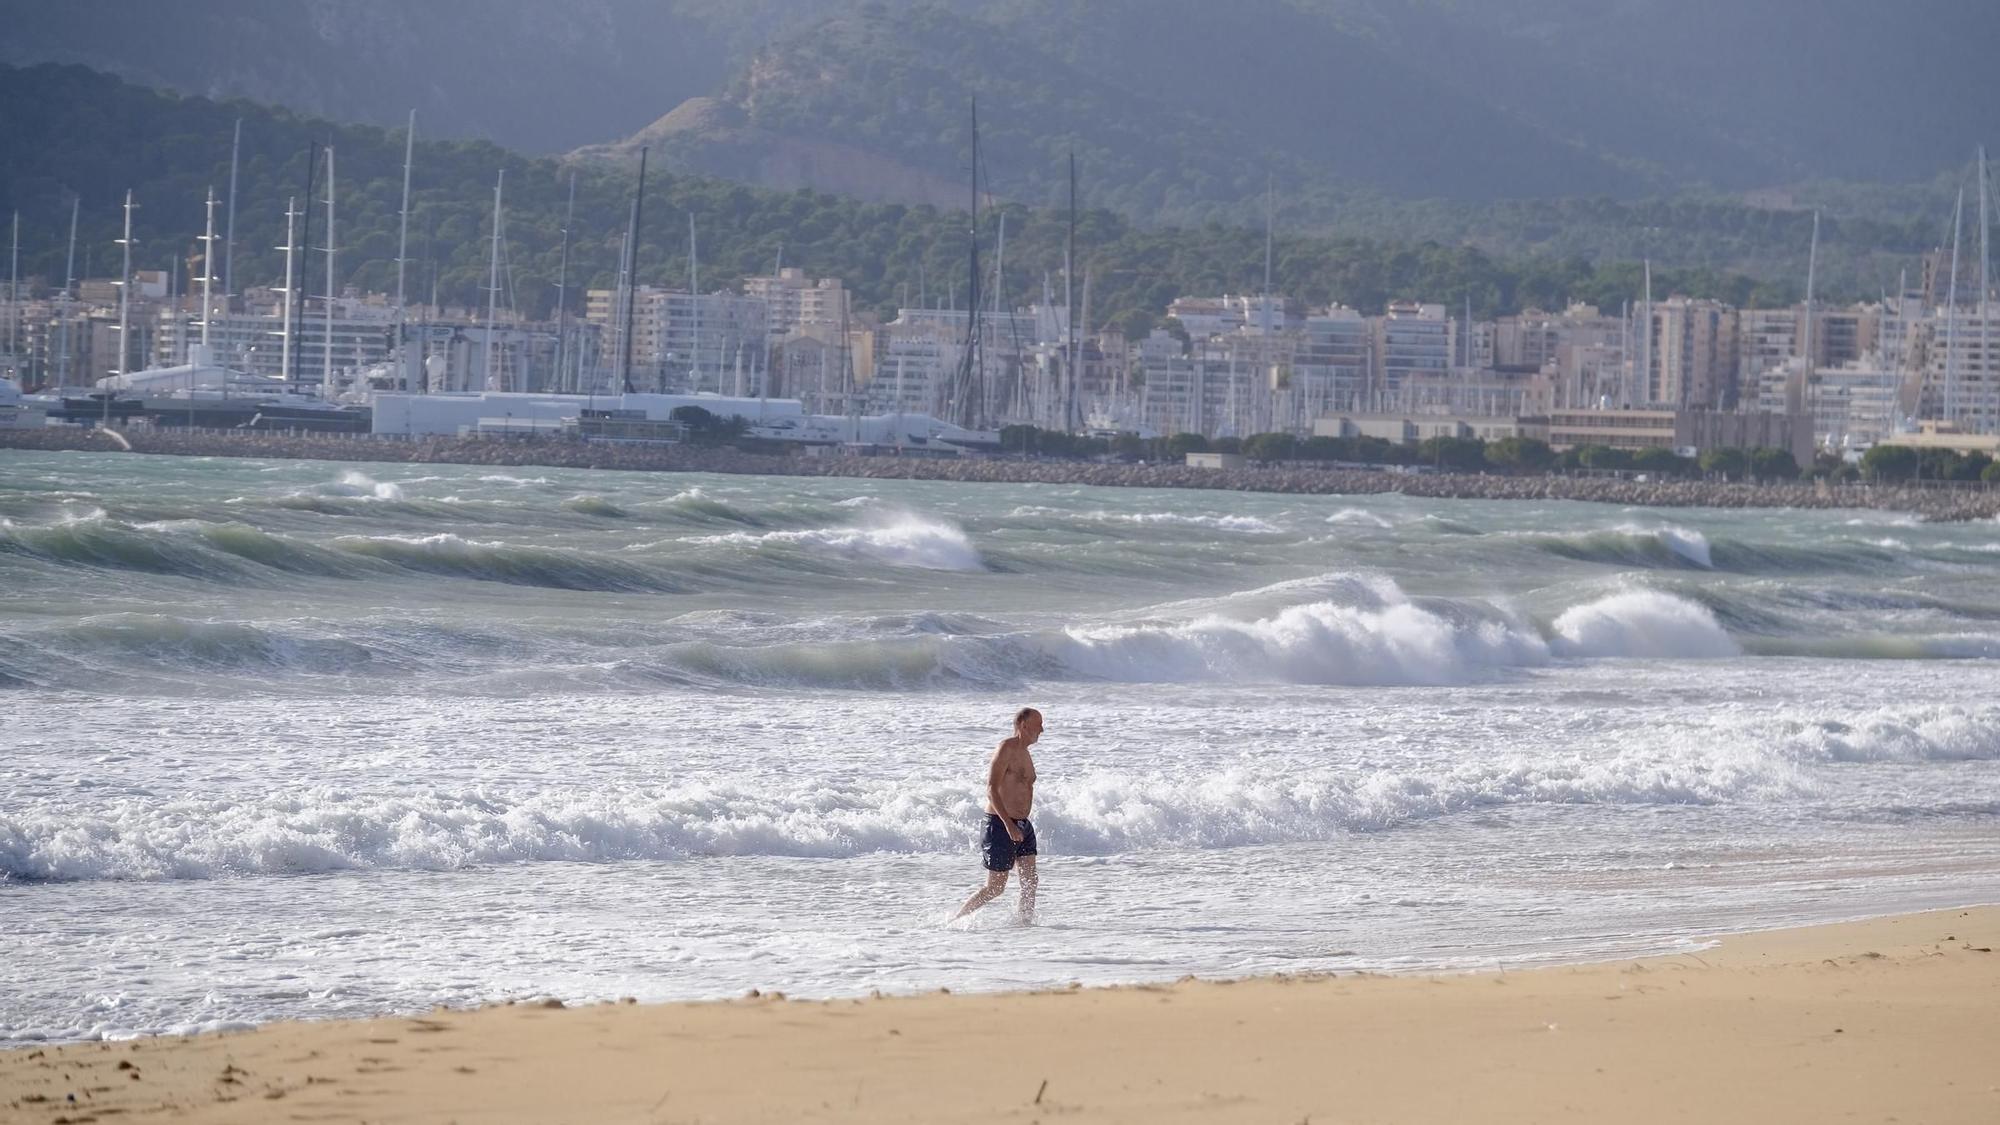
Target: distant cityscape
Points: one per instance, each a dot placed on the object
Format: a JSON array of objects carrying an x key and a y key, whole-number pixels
[{"x": 1922, "y": 362}]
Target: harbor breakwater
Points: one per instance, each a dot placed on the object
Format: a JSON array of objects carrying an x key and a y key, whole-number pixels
[{"x": 1941, "y": 504}]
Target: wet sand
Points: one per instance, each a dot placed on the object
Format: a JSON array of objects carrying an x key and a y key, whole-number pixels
[{"x": 1894, "y": 1019}]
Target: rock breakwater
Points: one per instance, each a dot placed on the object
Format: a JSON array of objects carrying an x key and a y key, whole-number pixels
[{"x": 1932, "y": 503}]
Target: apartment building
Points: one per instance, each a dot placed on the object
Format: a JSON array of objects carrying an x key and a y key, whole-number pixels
[
  {"x": 792, "y": 300},
  {"x": 1411, "y": 340},
  {"x": 1333, "y": 364},
  {"x": 1692, "y": 359}
]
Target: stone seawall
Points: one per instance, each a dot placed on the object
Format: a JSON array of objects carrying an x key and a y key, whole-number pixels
[{"x": 1930, "y": 503}]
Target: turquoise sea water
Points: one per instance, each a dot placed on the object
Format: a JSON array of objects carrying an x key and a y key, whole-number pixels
[{"x": 302, "y": 738}]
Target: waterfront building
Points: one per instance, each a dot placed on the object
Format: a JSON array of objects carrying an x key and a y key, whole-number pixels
[
  {"x": 1411, "y": 339},
  {"x": 1692, "y": 358},
  {"x": 1332, "y": 365},
  {"x": 914, "y": 363},
  {"x": 792, "y": 300},
  {"x": 1961, "y": 370}
]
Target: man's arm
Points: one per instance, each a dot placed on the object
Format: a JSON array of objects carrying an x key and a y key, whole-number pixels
[{"x": 993, "y": 798}]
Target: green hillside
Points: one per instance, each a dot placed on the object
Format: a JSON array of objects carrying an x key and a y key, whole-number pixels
[{"x": 82, "y": 132}]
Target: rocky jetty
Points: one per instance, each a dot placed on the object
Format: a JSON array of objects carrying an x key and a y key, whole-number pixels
[{"x": 1931, "y": 502}]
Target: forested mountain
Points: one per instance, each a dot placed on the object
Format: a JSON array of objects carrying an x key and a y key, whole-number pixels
[
  {"x": 1179, "y": 109},
  {"x": 74, "y": 133}
]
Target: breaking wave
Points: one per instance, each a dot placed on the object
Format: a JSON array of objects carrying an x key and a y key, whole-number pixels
[
  {"x": 590, "y": 505},
  {"x": 1641, "y": 623},
  {"x": 186, "y": 548},
  {"x": 1679, "y": 548},
  {"x": 697, "y": 506},
  {"x": 1359, "y": 517},
  {"x": 1249, "y": 524},
  {"x": 904, "y": 539},
  {"x": 1772, "y": 759},
  {"x": 1630, "y": 545},
  {"x": 513, "y": 564}
]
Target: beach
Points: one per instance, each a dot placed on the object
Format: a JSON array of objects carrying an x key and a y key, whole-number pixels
[
  {"x": 295, "y": 742},
  {"x": 1892, "y": 1019}
]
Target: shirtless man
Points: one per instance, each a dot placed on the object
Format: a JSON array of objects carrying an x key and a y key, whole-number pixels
[{"x": 1010, "y": 837}]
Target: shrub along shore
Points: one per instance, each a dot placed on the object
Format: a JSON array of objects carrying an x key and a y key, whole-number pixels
[{"x": 1928, "y": 500}]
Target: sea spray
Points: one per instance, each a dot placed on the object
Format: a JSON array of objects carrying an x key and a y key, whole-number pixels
[
  {"x": 904, "y": 539},
  {"x": 1758, "y": 760},
  {"x": 1641, "y": 623},
  {"x": 1318, "y": 643},
  {"x": 1359, "y": 517}
]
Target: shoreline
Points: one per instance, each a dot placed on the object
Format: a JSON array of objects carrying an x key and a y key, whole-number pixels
[
  {"x": 1888, "y": 1017},
  {"x": 1936, "y": 505}
]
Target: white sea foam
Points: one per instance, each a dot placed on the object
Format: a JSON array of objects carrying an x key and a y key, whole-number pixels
[
  {"x": 1249, "y": 524},
  {"x": 1770, "y": 760},
  {"x": 1359, "y": 516},
  {"x": 1246, "y": 524},
  {"x": 361, "y": 485},
  {"x": 1317, "y": 643},
  {"x": 894, "y": 539},
  {"x": 1641, "y": 623},
  {"x": 1687, "y": 543}
]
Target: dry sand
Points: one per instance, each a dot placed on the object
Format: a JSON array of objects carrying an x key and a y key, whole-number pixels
[{"x": 1896, "y": 1019}]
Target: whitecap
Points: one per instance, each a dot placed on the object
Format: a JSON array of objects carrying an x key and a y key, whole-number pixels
[{"x": 1642, "y": 623}]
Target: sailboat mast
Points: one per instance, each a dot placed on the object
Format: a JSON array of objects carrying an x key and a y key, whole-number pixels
[
  {"x": 291, "y": 249},
  {"x": 326, "y": 370},
  {"x": 562, "y": 292},
  {"x": 14, "y": 290},
  {"x": 1984, "y": 264},
  {"x": 616, "y": 340},
  {"x": 493, "y": 382},
  {"x": 1806, "y": 374},
  {"x": 403, "y": 252},
  {"x": 1069, "y": 306},
  {"x": 124, "y": 302},
  {"x": 1270, "y": 243},
  {"x": 229, "y": 237},
  {"x": 69, "y": 289},
  {"x": 1000, "y": 279},
  {"x": 208, "y": 279},
  {"x": 632, "y": 272},
  {"x": 305, "y": 249},
  {"x": 969, "y": 384},
  {"x": 1951, "y": 312},
  {"x": 694, "y": 307},
  {"x": 1645, "y": 328}
]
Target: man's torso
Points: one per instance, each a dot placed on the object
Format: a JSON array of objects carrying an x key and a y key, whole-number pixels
[{"x": 1017, "y": 778}]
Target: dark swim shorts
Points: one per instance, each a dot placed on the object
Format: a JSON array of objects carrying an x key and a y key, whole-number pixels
[{"x": 999, "y": 850}]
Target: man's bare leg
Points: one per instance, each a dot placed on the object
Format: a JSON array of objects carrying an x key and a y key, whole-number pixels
[
  {"x": 996, "y": 881},
  {"x": 1030, "y": 882}
]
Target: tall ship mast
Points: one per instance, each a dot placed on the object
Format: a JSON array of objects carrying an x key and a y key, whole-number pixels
[{"x": 969, "y": 383}]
